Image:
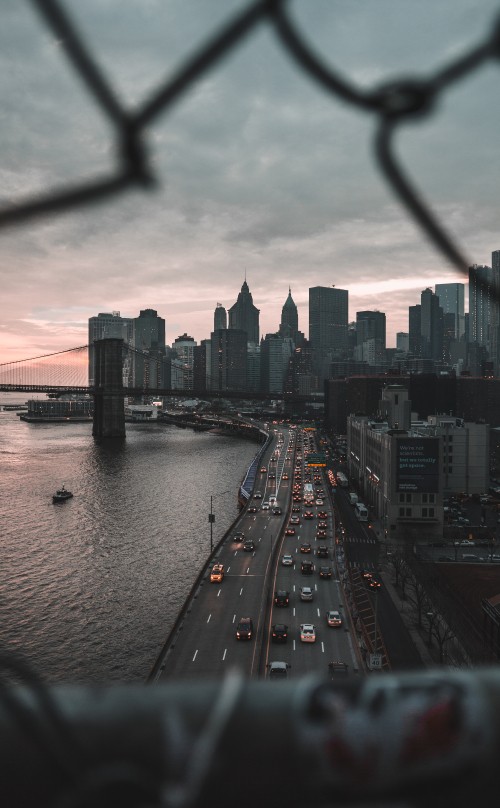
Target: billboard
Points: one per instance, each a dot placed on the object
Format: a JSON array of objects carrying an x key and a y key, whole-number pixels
[{"x": 418, "y": 465}]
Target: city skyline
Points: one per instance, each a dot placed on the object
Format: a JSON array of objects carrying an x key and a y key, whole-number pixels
[{"x": 260, "y": 173}]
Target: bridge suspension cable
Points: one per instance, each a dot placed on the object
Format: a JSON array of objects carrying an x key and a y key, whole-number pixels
[{"x": 63, "y": 368}]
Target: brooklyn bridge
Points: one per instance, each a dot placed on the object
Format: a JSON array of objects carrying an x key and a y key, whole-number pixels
[{"x": 67, "y": 372}]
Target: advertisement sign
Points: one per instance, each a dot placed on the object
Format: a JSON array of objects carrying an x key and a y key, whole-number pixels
[{"x": 418, "y": 465}]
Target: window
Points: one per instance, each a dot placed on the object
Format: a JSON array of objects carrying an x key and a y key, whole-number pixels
[
  {"x": 424, "y": 511},
  {"x": 401, "y": 511},
  {"x": 431, "y": 511},
  {"x": 408, "y": 497},
  {"x": 424, "y": 497},
  {"x": 401, "y": 497},
  {"x": 450, "y": 469},
  {"x": 431, "y": 498},
  {"x": 408, "y": 511}
]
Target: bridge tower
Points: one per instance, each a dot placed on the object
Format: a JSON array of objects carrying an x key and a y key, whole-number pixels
[{"x": 109, "y": 413}]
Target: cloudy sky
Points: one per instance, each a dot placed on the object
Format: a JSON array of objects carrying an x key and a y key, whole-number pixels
[{"x": 260, "y": 171}]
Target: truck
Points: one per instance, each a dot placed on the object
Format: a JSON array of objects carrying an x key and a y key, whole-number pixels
[
  {"x": 353, "y": 498},
  {"x": 342, "y": 479},
  {"x": 361, "y": 512}
]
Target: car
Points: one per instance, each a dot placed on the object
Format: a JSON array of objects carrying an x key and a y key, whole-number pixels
[
  {"x": 322, "y": 515},
  {"x": 307, "y": 568},
  {"x": 265, "y": 506},
  {"x": 285, "y": 477},
  {"x": 322, "y": 551},
  {"x": 239, "y": 536},
  {"x": 287, "y": 560},
  {"x": 263, "y": 470},
  {"x": 306, "y": 593},
  {"x": 322, "y": 525},
  {"x": 244, "y": 629},
  {"x": 308, "y": 515},
  {"x": 294, "y": 520},
  {"x": 281, "y": 597},
  {"x": 305, "y": 547},
  {"x": 249, "y": 546},
  {"x": 374, "y": 582},
  {"x": 290, "y": 531},
  {"x": 321, "y": 534},
  {"x": 325, "y": 572},
  {"x": 271, "y": 476},
  {"x": 296, "y": 509},
  {"x": 338, "y": 669},
  {"x": 366, "y": 574},
  {"x": 333, "y": 618},
  {"x": 257, "y": 495},
  {"x": 278, "y": 670},
  {"x": 252, "y": 509},
  {"x": 319, "y": 502},
  {"x": 217, "y": 573},
  {"x": 307, "y": 632},
  {"x": 279, "y": 632},
  {"x": 277, "y": 511}
]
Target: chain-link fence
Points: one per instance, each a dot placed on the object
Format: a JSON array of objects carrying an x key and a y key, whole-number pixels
[{"x": 391, "y": 104}]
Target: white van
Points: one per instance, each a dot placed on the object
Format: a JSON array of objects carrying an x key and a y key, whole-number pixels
[{"x": 353, "y": 498}]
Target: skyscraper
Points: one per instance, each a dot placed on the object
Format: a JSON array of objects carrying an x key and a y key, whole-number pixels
[
  {"x": 229, "y": 359},
  {"x": 370, "y": 336},
  {"x": 244, "y": 315},
  {"x": 431, "y": 326},
  {"x": 149, "y": 340},
  {"x": 451, "y": 300},
  {"x": 107, "y": 325},
  {"x": 480, "y": 298},
  {"x": 220, "y": 317},
  {"x": 328, "y": 319},
  {"x": 289, "y": 326}
]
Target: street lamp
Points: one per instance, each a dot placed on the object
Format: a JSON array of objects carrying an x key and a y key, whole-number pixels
[{"x": 211, "y": 519}]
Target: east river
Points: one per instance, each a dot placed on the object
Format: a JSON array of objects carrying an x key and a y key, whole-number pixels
[{"x": 90, "y": 588}]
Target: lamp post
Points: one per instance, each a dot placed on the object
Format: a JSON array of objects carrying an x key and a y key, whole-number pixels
[{"x": 211, "y": 519}]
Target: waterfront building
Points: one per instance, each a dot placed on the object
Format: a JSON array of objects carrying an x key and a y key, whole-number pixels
[
  {"x": 183, "y": 347},
  {"x": 244, "y": 316},
  {"x": 328, "y": 323}
]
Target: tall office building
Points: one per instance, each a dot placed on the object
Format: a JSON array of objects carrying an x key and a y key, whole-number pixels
[
  {"x": 149, "y": 340},
  {"x": 431, "y": 326},
  {"x": 245, "y": 316},
  {"x": 184, "y": 346},
  {"x": 289, "y": 326},
  {"x": 480, "y": 287},
  {"x": 403, "y": 341},
  {"x": 414, "y": 333},
  {"x": 451, "y": 300},
  {"x": 107, "y": 326},
  {"x": 220, "y": 317},
  {"x": 275, "y": 352},
  {"x": 229, "y": 359},
  {"x": 370, "y": 336},
  {"x": 328, "y": 319}
]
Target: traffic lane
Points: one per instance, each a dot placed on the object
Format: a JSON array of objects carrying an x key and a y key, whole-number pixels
[{"x": 207, "y": 644}]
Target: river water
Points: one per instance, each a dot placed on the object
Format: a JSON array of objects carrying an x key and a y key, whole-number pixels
[{"x": 90, "y": 588}]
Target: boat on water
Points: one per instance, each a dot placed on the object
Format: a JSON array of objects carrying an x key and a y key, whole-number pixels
[{"x": 61, "y": 495}]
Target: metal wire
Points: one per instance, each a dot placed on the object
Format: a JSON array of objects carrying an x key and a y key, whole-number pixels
[{"x": 394, "y": 103}]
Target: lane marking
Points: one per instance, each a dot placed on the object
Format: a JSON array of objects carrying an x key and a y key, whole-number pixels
[
  {"x": 224, "y": 654},
  {"x": 218, "y": 593},
  {"x": 323, "y": 647},
  {"x": 241, "y": 591},
  {"x": 208, "y": 618},
  {"x": 248, "y": 570},
  {"x": 195, "y": 655},
  {"x": 234, "y": 618},
  {"x": 292, "y": 649}
]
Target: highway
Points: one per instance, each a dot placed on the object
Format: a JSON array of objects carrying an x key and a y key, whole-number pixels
[{"x": 206, "y": 645}]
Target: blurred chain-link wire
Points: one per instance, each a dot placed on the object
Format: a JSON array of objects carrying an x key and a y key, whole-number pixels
[{"x": 392, "y": 104}]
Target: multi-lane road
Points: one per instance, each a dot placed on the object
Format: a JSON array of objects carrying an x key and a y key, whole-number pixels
[{"x": 206, "y": 644}]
